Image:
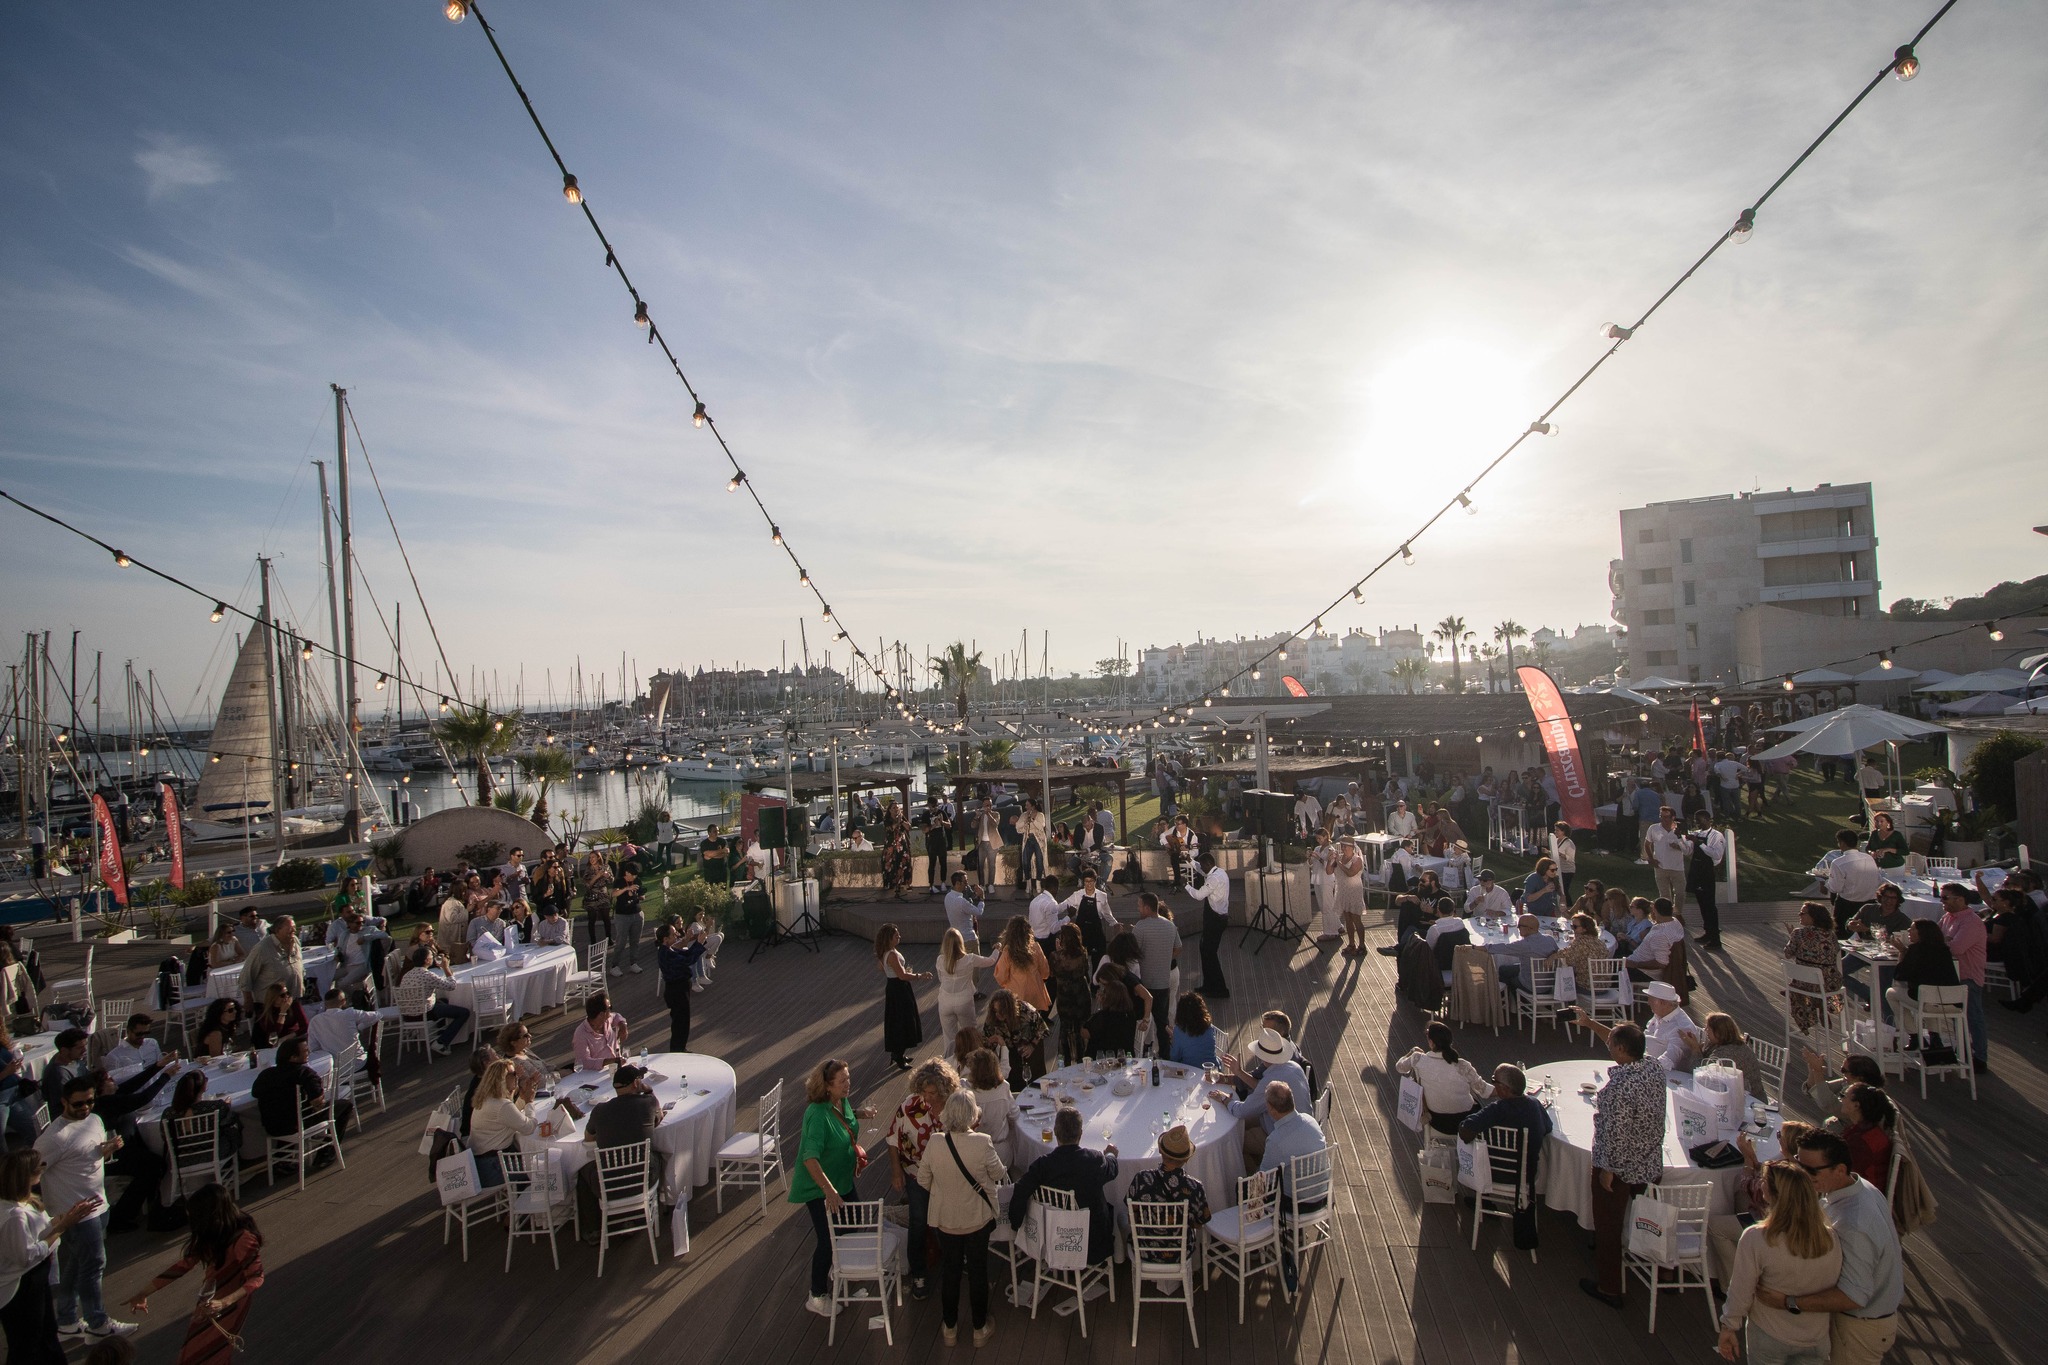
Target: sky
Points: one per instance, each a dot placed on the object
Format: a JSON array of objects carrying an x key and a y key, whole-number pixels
[{"x": 1118, "y": 321}]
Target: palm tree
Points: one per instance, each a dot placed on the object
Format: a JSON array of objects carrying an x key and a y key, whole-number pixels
[
  {"x": 474, "y": 733},
  {"x": 1507, "y": 632},
  {"x": 1451, "y": 630},
  {"x": 956, "y": 669},
  {"x": 546, "y": 765},
  {"x": 1408, "y": 672},
  {"x": 995, "y": 753}
]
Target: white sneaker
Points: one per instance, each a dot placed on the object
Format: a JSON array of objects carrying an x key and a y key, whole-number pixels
[
  {"x": 71, "y": 1329},
  {"x": 634, "y": 969},
  {"x": 822, "y": 1305},
  {"x": 112, "y": 1327},
  {"x": 696, "y": 987},
  {"x": 618, "y": 971},
  {"x": 441, "y": 1049}
]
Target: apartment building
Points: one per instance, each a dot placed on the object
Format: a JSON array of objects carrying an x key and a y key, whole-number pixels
[{"x": 1687, "y": 567}]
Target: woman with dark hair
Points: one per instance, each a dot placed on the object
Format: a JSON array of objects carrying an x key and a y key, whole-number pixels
[
  {"x": 1812, "y": 943},
  {"x": 896, "y": 851},
  {"x": 1194, "y": 1036},
  {"x": 188, "y": 1100},
  {"x": 1886, "y": 844},
  {"x": 217, "y": 1029},
  {"x": 1070, "y": 989},
  {"x": 1021, "y": 1029},
  {"x": 902, "y": 1029},
  {"x": 1868, "y": 1121},
  {"x": 1926, "y": 961},
  {"x": 224, "y": 1241},
  {"x": 1122, "y": 960},
  {"x": 1451, "y": 1088},
  {"x": 2016, "y": 942},
  {"x": 278, "y": 1016},
  {"x": 1110, "y": 1031}
]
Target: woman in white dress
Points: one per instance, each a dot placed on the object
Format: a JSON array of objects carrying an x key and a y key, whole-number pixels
[
  {"x": 956, "y": 972},
  {"x": 1348, "y": 867},
  {"x": 1322, "y": 884}
]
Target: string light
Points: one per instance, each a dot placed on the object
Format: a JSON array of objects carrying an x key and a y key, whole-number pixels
[
  {"x": 306, "y": 650},
  {"x": 571, "y": 191},
  {"x": 382, "y": 678},
  {"x": 1745, "y": 227},
  {"x": 1788, "y": 684},
  {"x": 697, "y": 418},
  {"x": 1465, "y": 501},
  {"x": 1407, "y": 555},
  {"x": 732, "y": 485},
  {"x": 121, "y": 560},
  {"x": 220, "y": 609},
  {"x": 640, "y": 316},
  {"x": 1614, "y": 331},
  {"x": 456, "y": 10},
  {"x": 1992, "y": 631},
  {"x": 775, "y": 535},
  {"x": 1543, "y": 428},
  {"x": 1884, "y": 659},
  {"x": 1905, "y": 63},
  {"x": 803, "y": 576}
]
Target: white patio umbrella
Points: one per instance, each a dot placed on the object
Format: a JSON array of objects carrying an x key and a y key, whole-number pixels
[
  {"x": 1820, "y": 676},
  {"x": 1903, "y": 727},
  {"x": 1653, "y": 683},
  {"x": 1625, "y": 693},
  {"x": 1881, "y": 674},
  {"x": 1981, "y": 704},
  {"x": 2036, "y": 707},
  {"x": 1984, "y": 680},
  {"x": 1850, "y": 730}
]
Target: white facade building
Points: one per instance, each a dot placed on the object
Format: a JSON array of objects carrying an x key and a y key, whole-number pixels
[
  {"x": 1356, "y": 661},
  {"x": 1688, "y": 567}
]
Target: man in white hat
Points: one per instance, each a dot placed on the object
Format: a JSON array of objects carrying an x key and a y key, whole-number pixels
[
  {"x": 1671, "y": 1039},
  {"x": 1276, "y": 1060}
]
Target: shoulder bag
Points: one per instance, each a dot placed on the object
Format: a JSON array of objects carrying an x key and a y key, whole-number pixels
[
  {"x": 954, "y": 1152},
  {"x": 860, "y": 1156}
]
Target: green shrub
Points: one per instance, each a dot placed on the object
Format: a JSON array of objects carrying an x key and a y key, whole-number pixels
[
  {"x": 197, "y": 891},
  {"x": 1988, "y": 773},
  {"x": 482, "y": 853},
  {"x": 692, "y": 896},
  {"x": 646, "y": 826},
  {"x": 297, "y": 874}
]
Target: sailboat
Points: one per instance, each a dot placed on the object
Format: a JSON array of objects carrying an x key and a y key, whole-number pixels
[{"x": 237, "y": 787}]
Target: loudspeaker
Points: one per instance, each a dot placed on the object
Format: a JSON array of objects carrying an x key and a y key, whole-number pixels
[
  {"x": 1269, "y": 815},
  {"x": 783, "y": 827}
]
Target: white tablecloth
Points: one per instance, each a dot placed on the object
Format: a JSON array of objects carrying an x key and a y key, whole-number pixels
[
  {"x": 701, "y": 1092},
  {"x": 1135, "y": 1121},
  {"x": 1922, "y": 894},
  {"x": 536, "y": 979},
  {"x": 223, "y": 983},
  {"x": 1565, "y": 1181},
  {"x": 35, "y": 1051},
  {"x": 232, "y": 1086}
]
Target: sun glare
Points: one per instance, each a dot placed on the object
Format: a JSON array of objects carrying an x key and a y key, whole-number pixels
[{"x": 1434, "y": 415}]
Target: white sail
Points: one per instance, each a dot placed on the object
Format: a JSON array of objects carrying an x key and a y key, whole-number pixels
[{"x": 236, "y": 780}]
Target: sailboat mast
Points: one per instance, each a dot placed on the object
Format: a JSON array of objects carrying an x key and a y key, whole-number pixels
[
  {"x": 270, "y": 712},
  {"x": 333, "y": 596},
  {"x": 352, "y": 818},
  {"x": 398, "y": 659}
]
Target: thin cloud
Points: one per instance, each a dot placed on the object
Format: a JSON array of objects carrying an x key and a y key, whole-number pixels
[{"x": 172, "y": 163}]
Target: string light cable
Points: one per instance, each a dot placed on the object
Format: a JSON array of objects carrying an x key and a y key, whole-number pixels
[
  {"x": 700, "y": 416},
  {"x": 1903, "y": 65}
]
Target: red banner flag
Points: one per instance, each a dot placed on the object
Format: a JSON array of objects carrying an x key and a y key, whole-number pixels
[
  {"x": 1699, "y": 728},
  {"x": 111, "y": 871},
  {"x": 1294, "y": 687},
  {"x": 174, "y": 827},
  {"x": 1561, "y": 743}
]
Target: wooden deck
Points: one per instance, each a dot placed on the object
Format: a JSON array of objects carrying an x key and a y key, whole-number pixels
[{"x": 357, "y": 1269}]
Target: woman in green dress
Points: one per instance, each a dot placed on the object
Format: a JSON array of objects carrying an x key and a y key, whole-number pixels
[
  {"x": 1887, "y": 845},
  {"x": 828, "y": 1158}
]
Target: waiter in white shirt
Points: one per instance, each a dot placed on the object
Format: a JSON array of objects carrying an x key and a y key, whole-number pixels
[
  {"x": 1487, "y": 901},
  {"x": 1214, "y": 893},
  {"x": 1308, "y": 813},
  {"x": 1705, "y": 847},
  {"x": 963, "y": 912},
  {"x": 1090, "y": 912},
  {"x": 1401, "y": 821}
]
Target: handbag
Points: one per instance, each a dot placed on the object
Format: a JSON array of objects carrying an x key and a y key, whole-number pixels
[
  {"x": 1410, "y": 1104},
  {"x": 1715, "y": 1156},
  {"x": 860, "y": 1156}
]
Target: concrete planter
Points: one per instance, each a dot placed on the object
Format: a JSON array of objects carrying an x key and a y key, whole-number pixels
[{"x": 125, "y": 936}]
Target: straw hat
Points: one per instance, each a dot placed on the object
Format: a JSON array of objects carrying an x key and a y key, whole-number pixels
[
  {"x": 1661, "y": 990},
  {"x": 1175, "y": 1145},
  {"x": 1272, "y": 1048}
]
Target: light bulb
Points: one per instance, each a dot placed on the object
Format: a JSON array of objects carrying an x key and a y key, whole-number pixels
[
  {"x": 1905, "y": 63},
  {"x": 1577, "y": 726},
  {"x": 1358, "y": 592},
  {"x": 571, "y": 191},
  {"x": 1438, "y": 743},
  {"x": 1255, "y": 675},
  {"x": 1521, "y": 734},
  {"x": 496, "y": 726},
  {"x": 1614, "y": 331},
  {"x": 1994, "y": 632},
  {"x": 216, "y": 758},
  {"x": 1283, "y": 656},
  {"x": 827, "y": 613},
  {"x": 1745, "y": 227},
  {"x": 775, "y": 533},
  {"x": 1465, "y": 501},
  {"x": 121, "y": 559},
  {"x": 1884, "y": 660},
  {"x": 803, "y": 576},
  {"x": 1543, "y": 428},
  {"x": 444, "y": 706},
  {"x": 220, "y": 609},
  {"x": 382, "y": 678},
  {"x": 1643, "y": 716},
  {"x": 1476, "y": 739},
  {"x": 640, "y": 316},
  {"x": 732, "y": 485},
  {"x": 1713, "y": 701},
  {"x": 456, "y": 10},
  {"x": 1407, "y": 555},
  {"x": 1788, "y": 685},
  {"x": 306, "y": 650},
  {"x": 548, "y": 738},
  {"x": 1207, "y": 702},
  {"x": 697, "y": 417}
]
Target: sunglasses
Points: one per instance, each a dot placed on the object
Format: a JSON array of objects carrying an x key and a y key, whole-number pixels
[{"x": 1812, "y": 1169}]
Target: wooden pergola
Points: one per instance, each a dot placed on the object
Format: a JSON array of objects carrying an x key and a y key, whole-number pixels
[
  {"x": 1069, "y": 777},
  {"x": 809, "y": 785}
]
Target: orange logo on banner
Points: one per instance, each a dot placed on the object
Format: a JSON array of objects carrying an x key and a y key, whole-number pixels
[
  {"x": 1561, "y": 743},
  {"x": 1294, "y": 687}
]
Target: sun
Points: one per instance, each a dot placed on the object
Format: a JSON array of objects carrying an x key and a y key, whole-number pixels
[{"x": 1434, "y": 415}]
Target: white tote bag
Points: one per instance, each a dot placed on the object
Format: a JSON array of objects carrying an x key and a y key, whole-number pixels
[
  {"x": 455, "y": 1176},
  {"x": 1475, "y": 1164},
  {"x": 1065, "y": 1237},
  {"x": 1030, "y": 1238},
  {"x": 679, "y": 1229},
  {"x": 1653, "y": 1230},
  {"x": 1698, "y": 1121},
  {"x": 1567, "y": 988},
  {"x": 1722, "y": 1085},
  {"x": 1410, "y": 1108},
  {"x": 1439, "y": 1174},
  {"x": 442, "y": 1120},
  {"x": 486, "y": 949}
]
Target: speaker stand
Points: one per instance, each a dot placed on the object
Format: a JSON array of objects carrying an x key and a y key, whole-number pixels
[
  {"x": 804, "y": 931},
  {"x": 1273, "y": 923}
]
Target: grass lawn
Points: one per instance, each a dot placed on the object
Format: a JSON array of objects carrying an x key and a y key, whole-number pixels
[{"x": 1773, "y": 850}]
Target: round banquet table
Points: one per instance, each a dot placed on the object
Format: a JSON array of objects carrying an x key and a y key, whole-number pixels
[
  {"x": 1565, "y": 1181},
  {"x": 35, "y": 1051},
  {"x": 698, "y": 1114},
  {"x": 536, "y": 979},
  {"x": 1135, "y": 1121},
  {"x": 223, "y": 1084},
  {"x": 225, "y": 983}
]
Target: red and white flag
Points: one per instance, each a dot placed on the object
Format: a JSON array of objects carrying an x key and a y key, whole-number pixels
[
  {"x": 1561, "y": 743},
  {"x": 174, "y": 826},
  {"x": 111, "y": 872}
]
